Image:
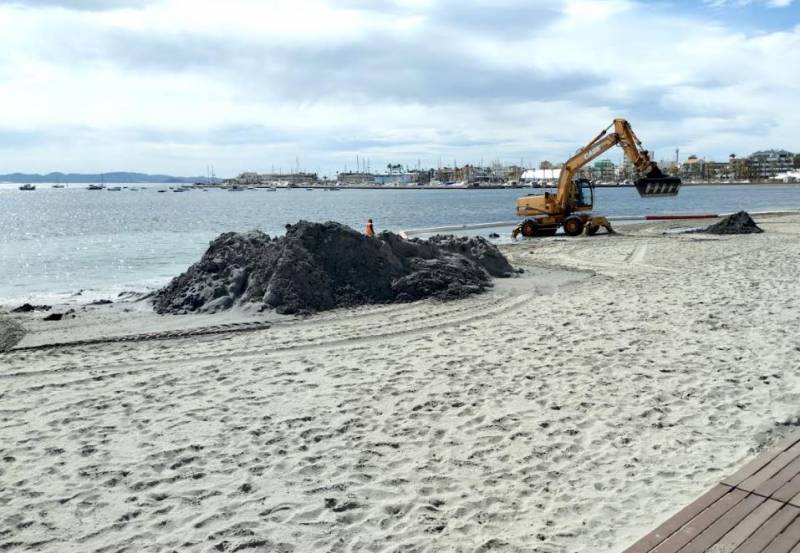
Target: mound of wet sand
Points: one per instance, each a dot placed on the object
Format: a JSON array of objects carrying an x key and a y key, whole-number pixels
[
  {"x": 28, "y": 308},
  {"x": 318, "y": 266},
  {"x": 738, "y": 223},
  {"x": 11, "y": 333}
]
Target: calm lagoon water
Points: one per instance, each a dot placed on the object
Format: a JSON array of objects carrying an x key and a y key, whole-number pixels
[{"x": 55, "y": 242}]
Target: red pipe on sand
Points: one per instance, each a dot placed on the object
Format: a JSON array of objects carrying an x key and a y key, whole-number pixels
[{"x": 677, "y": 217}]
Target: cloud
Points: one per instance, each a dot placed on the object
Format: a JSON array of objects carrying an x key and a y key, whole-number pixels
[
  {"x": 176, "y": 84},
  {"x": 741, "y": 3},
  {"x": 80, "y": 5}
]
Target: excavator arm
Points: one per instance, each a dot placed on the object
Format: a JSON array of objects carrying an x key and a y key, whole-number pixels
[{"x": 652, "y": 181}]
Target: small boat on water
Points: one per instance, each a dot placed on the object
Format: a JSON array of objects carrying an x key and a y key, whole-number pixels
[
  {"x": 58, "y": 186},
  {"x": 27, "y": 187},
  {"x": 101, "y": 186},
  {"x": 114, "y": 189}
]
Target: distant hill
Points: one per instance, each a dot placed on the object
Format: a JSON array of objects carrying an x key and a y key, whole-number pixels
[{"x": 117, "y": 177}]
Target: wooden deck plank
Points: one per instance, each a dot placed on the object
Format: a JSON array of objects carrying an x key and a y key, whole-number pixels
[
  {"x": 713, "y": 533},
  {"x": 761, "y": 461},
  {"x": 789, "y": 491},
  {"x": 755, "y": 510},
  {"x": 773, "y": 484},
  {"x": 778, "y": 463},
  {"x": 748, "y": 526},
  {"x": 787, "y": 540},
  {"x": 767, "y": 532},
  {"x": 676, "y": 522},
  {"x": 699, "y": 523}
]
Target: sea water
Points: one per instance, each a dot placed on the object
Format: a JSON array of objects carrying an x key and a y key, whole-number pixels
[{"x": 57, "y": 242}]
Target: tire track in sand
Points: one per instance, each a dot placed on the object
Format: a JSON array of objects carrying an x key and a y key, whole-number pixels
[{"x": 116, "y": 369}]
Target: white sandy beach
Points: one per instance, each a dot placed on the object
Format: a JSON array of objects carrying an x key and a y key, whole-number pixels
[{"x": 541, "y": 419}]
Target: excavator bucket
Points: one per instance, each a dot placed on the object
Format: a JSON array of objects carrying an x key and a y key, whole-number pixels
[
  {"x": 654, "y": 187},
  {"x": 657, "y": 184}
]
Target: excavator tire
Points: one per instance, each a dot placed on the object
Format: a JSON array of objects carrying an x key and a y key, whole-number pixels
[
  {"x": 573, "y": 226},
  {"x": 529, "y": 228}
]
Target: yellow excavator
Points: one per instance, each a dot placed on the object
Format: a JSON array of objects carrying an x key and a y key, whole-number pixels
[{"x": 570, "y": 207}]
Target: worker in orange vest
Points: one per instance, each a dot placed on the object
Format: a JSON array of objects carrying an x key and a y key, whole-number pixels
[{"x": 370, "y": 229}]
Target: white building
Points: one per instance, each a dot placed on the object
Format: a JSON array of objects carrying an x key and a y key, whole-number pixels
[
  {"x": 537, "y": 175},
  {"x": 788, "y": 176}
]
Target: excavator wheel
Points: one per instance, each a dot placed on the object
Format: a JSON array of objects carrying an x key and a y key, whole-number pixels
[
  {"x": 573, "y": 226},
  {"x": 529, "y": 228}
]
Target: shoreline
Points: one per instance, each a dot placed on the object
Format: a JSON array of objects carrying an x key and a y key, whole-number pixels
[{"x": 86, "y": 296}]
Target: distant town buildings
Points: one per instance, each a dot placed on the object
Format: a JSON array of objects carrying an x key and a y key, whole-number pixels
[
  {"x": 604, "y": 170},
  {"x": 758, "y": 166},
  {"x": 272, "y": 179},
  {"x": 769, "y": 163},
  {"x": 776, "y": 165},
  {"x": 693, "y": 168},
  {"x": 354, "y": 179}
]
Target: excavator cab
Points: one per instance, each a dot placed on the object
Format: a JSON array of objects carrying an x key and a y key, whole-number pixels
[
  {"x": 657, "y": 184},
  {"x": 584, "y": 194}
]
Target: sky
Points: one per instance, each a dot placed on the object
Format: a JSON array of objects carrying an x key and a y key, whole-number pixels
[{"x": 173, "y": 86}]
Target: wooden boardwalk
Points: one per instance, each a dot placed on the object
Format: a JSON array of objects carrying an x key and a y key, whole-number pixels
[{"x": 753, "y": 511}]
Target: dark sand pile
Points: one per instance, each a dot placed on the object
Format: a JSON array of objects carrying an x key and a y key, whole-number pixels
[
  {"x": 28, "y": 308},
  {"x": 738, "y": 223},
  {"x": 323, "y": 266},
  {"x": 11, "y": 333}
]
